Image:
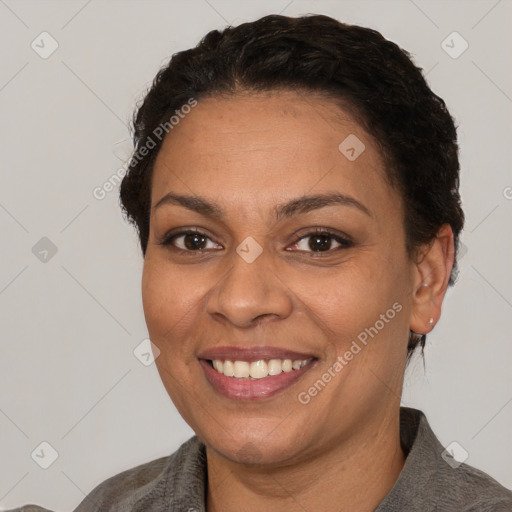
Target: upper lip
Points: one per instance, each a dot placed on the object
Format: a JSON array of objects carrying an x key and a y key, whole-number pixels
[{"x": 250, "y": 354}]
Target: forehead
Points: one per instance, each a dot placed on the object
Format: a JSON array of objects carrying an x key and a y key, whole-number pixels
[
  {"x": 270, "y": 119},
  {"x": 266, "y": 144}
]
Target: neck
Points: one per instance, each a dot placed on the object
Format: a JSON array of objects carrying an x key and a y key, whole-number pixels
[{"x": 354, "y": 475}]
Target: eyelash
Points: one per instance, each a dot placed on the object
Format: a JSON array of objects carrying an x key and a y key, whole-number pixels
[{"x": 344, "y": 241}]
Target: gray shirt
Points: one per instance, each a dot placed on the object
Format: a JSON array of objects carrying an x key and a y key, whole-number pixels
[{"x": 431, "y": 480}]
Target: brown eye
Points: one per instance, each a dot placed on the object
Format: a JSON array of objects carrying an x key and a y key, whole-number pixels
[
  {"x": 322, "y": 242},
  {"x": 189, "y": 241},
  {"x": 194, "y": 241}
]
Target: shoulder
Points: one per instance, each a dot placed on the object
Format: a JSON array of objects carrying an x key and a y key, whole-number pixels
[
  {"x": 173, "y": 483},
  {"x": 124, "y": 488},
  {"x": 432, "y": 480},
  {"x": 150, "y": 485},
  {"x": 471, "y": 490},
  {"x": 460, "y": 486},
  {"x": 127, "y": 485}
]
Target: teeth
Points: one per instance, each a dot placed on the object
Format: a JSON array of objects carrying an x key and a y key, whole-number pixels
[
  {"x": 286, "y": 365},
  {"x": 258, "y": 369},
  {"x": 241, "y": 369},
  {"x": 228, "y": 369},
  {"x": 275, "y": 367}
]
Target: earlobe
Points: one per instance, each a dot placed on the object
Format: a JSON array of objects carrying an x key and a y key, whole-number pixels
[{"x": 430, "y": 280}]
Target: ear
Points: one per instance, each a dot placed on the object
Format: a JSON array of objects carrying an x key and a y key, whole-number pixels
[{"x": 431, "y": 274}]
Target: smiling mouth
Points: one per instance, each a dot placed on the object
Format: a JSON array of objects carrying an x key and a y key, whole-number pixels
[{"x": 254, "y": 370}]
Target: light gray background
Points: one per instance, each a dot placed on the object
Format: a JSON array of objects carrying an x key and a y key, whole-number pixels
[{"x": 70, "y": 324}]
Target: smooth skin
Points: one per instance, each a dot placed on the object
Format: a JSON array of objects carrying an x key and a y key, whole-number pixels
[{"x": 247, "y": 155}]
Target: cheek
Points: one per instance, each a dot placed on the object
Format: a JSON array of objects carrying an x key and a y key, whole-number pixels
[
  {"x": 166, "y": 303},
  {"x": 170, "y": 317},
  {"x": 167, "y": 293},
  {"x": 367, "y": 304},
  {"x": 156, "y": 293},
  {"x": 173, "y": 302}
]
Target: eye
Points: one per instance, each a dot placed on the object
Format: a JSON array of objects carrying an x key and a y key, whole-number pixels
[
  {"x": 321, "y": 240},
  {"x": 189, "y": 241}
]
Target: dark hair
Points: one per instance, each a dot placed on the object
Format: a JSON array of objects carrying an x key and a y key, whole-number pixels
[{"x": 356, "y": 66}]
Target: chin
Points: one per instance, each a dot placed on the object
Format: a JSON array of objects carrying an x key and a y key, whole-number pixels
[{"x": 254, "y": 443}]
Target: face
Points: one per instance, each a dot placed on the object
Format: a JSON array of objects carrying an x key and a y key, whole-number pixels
[{"x": 272, "y": 244}]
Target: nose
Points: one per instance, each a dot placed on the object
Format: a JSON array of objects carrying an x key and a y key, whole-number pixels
[{"x": 250, "y": 293}]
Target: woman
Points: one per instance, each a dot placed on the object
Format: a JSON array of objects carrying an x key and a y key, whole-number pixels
[{"x": 295, "y": 190}]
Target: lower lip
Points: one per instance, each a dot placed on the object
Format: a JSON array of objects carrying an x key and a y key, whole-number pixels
[{"x": 252, "y": 389}]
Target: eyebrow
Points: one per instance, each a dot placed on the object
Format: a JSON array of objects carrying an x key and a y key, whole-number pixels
[{"x": 300, "y": 205}]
